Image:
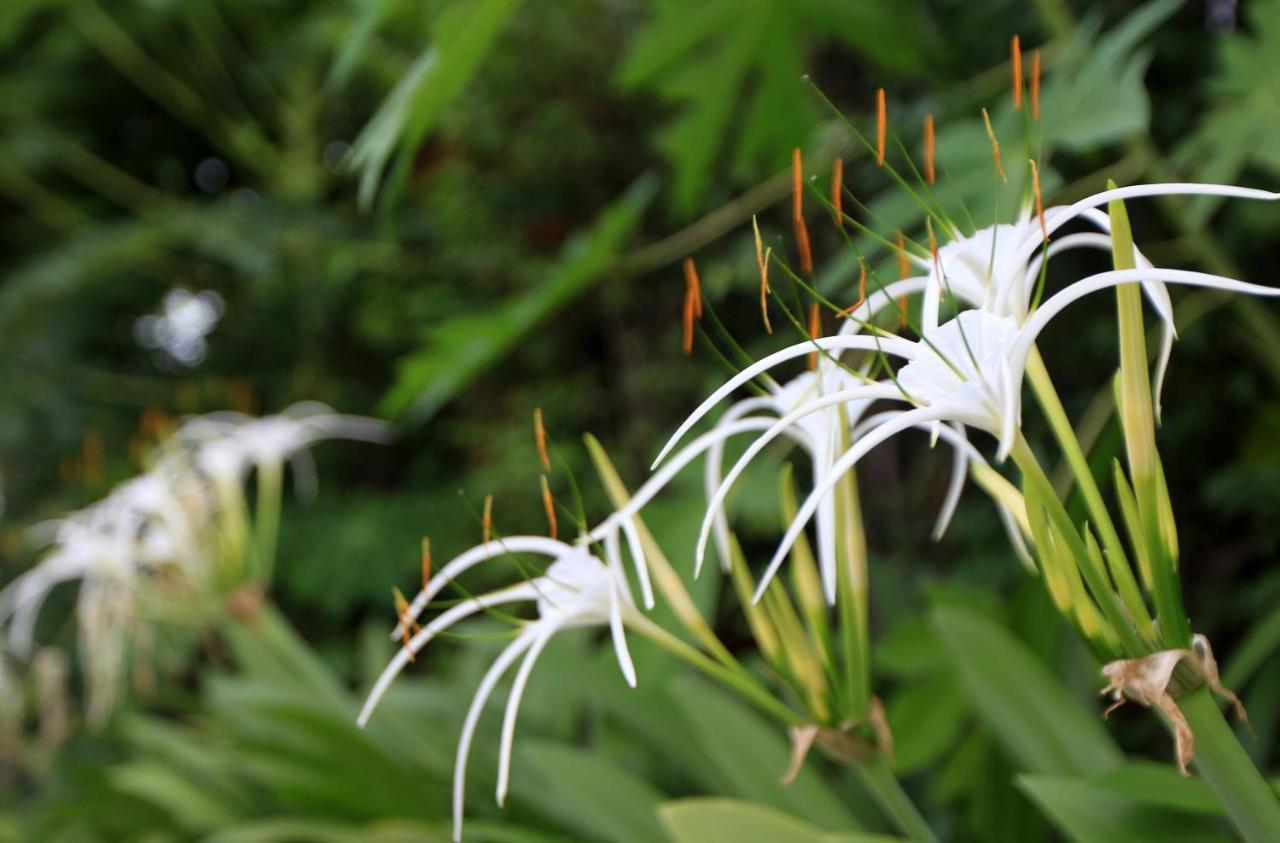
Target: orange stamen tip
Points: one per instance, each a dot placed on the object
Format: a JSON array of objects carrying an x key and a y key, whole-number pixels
[
  {"x": 995, "y": 145},
  {"x": 881, "y": 126},
  {"x": 797, "y": 213},
  {"x": 409, "y": 627},
  {"x": 540, "y": 439},
  {"x": 549, "y": 504},
  {"x": 904, "y": 265},
  {"x": 1035, "y": 85},
  {"x": 902, "y": 311},
  {"x": 1035, "y": 186},
  {"x": 692, "y": 283},
  {"x": 930, "y": 174},
  {"x": 426, "y": 561},
  {"x": 692, "y": 302},
  {"x": 1015, "y": 50},
  {"x": 486, "y": 519},
  {"x": 837, "y": 191}
]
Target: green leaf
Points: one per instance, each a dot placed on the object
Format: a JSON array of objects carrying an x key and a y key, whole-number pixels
[
  {"x": 13, "y": 14},
  {"x": 464, "y": 35},
  {"x": 927, "y": 720},
  {"x": 708, "y": 59},
  {"x": 1095, "y": 94},
  {"x": 1035, "y": 717},
  {"x": 1241, "y": 127},
  {"x": 462, "y": 348},
  {"x": 589, "y": 793},
  {"x": 1161, "y": 786},
  {"x": 184, "y": 800},
  {"x": 735, "y": 821},
  {"x": 747, "y": 756},
  {"x": 1092, "y": 812}
]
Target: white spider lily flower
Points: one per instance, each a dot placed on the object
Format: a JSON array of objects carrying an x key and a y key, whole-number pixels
[
  {"x": 997, "y": 268},
  {"x": 577, "y": 589},
  {"x": 968, "y": 370}
]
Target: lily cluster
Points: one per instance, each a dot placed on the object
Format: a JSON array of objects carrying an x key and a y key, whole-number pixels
[
  {"x": 949, "y": 348},
  {"x": 172, "y": 543}
]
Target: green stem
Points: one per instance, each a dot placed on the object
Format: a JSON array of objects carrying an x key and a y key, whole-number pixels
[
  {"x": 1118, "y": 562},
  {"x": 893, "y": 800},
  {"x": 737, "y": 681},
  {"x": 1250, "y": 803},
  {"x": 1096, "y": 577},
  {"x": 267, "y": 518}
]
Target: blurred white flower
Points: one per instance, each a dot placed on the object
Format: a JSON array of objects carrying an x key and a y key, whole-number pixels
[
  {"x": 157, "y": 538},
  {"x": 182, "y": 326},
  {"x": 577, "y": 589},
  {"x": 225, "y": 446}
]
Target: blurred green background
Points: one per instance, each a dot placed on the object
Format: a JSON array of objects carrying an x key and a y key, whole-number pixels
[{"x": 447, "y": 214}]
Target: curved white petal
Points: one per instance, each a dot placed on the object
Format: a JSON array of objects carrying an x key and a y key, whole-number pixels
[
  {"x": 879, "y": 300},
  {"x": 513, "y": 594},
  {"x": 682, "y": 458},
  {"x": 906, "y": 419},
  {"x": 890, "y": 345},
  {"x": 491, "y": 678},
  {"x": 963, "y": 450},
  {"x": 619, "y": 636},
  {"x": 777, "y": 428},
  {"x": 638, "y": 560},
  {"x": 712, "y": 468},
  {"x": 1103, "y": 280},
  {"x": 1055, "y": 218},
  {"x": 540, "y": 641},
  {"x": 469, "y": 559}
]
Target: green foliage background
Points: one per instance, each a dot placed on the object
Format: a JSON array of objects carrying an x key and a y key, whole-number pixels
[{"x": 447, "y": 214}]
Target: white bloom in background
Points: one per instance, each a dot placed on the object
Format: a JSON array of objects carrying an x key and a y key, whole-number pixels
[
  {"x": 182, "y": 326},
  {"x": 576, "y": 590},
  {"x": 155, "y": 535},
  {"x": 226, "y": 446}
]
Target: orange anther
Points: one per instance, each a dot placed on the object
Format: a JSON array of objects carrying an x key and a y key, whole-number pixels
[
  {"x": 408, "y": 626},
  {"x": 549, "y": 504},
  {"x": 902, "y": 312},
  {"x": 797, "y": 213},
  {"x": 762, "y": 262},
  {"x": 426, "y": 561},
  {"x": 881, "y": 126},
  {"x": 1035, "y": 85},
  {"x": 904, "y": 265},
  {"x": 815, "y": 331},
  {"x": 540, "y": 438},
  {"x": 692, "y": 284},
  {"x": 486, "y": 519},
  {"x": 837, "y": 190},
  {"x": 1035, "y": 186},
  {"x": 995, "y": 145},
  {"x": 692, "y": 302},
  {"x": 1015, "y": 50},
  {"x": 929, "y": 173}
]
